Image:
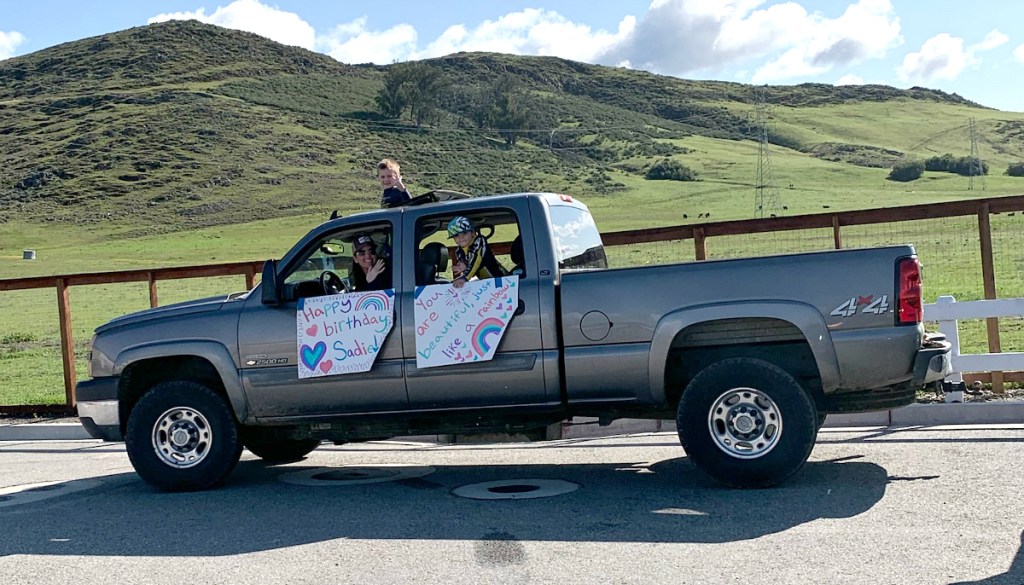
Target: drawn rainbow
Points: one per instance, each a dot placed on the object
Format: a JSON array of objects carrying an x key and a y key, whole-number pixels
[
  {"x": 374, "y": 301},
  {"x": 486, "y": 328}
]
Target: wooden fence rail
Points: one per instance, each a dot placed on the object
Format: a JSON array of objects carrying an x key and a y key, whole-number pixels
[{"x": 699, "y": 233}]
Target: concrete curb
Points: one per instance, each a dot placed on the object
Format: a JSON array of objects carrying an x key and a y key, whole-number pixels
[{"x": 971, "y": 413}]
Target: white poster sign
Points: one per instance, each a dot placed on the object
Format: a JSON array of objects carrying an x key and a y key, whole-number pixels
[
  {"x": 459, "y": 325},
  {"x": 342, "y": 334}
]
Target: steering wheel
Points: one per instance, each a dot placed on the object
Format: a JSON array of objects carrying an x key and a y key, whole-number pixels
[{"x": 332, "y": 283}]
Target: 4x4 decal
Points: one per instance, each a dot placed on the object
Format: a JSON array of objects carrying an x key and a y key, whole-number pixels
[{"x": 874, "y": 306}]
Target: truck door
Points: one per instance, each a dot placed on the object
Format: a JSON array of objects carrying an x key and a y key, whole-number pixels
[
  {"x": 515, "y": 377},
  {"x": 267, "y": 339}
]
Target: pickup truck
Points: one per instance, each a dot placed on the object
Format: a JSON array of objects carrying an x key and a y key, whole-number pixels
[{"x": 746, "y": 355}]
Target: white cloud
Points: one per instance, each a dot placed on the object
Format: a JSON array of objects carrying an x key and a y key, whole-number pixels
[
  {"x": 945, "y": 57},
  {"x": 255, "y": 17},
  {"x": 353, "y": 43},
  {"x": 1018, "y": 53},
  {"x": 941, "y": 57},
  {"x": 678, "y": 37},
  {"x": 992, "y": 40},
  {"x": 530, "y": 32},
  {"x": 9, "y": 41},
  {"x": 850, "y": 79}
]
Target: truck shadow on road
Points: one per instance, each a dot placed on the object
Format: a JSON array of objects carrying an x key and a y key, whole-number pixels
[{"x": 664, "y": 501}]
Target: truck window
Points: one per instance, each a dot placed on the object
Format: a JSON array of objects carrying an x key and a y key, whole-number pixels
[{"x": 577, "y": 241}]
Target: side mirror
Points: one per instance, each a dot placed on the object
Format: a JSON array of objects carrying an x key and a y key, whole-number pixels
[{"x": 268, "y": 287}]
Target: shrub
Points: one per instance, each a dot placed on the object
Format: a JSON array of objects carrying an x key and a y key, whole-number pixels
[
  {"x": 963, "y": 165},
  {"x": 671, "y": 170},
  {"x": 1015, "y": 169},
  {"x": 905, "y": 171}
]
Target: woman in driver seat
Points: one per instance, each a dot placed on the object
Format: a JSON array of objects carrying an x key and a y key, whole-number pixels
[{"x": 369, "y": 272}]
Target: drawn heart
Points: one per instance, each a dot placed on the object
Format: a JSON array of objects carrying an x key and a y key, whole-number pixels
[
  {"x": 325, "y": 366},
  {"x": 504, "y": 315},
  {"x": 311, "y": 356},
  {"x": 311, "y": 331}
]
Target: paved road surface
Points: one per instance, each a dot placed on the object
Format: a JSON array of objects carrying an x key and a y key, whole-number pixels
[{"x": 937, "y": 505}]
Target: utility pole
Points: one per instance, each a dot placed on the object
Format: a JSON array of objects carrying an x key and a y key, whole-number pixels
[
  {"x": 974, "y": 167},
  {"x": 766, "y": 198}
]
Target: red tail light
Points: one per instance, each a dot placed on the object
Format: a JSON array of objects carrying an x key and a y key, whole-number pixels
[{"x": 910, "y": 310}]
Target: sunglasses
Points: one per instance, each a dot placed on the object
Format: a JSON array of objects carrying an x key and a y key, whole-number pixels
[{"x": 365, "y": 251}]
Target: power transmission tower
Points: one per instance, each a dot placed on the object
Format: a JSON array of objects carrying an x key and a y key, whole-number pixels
[
  {"x": 766, "y": 193},
  {"x": 974, "y": 167}
]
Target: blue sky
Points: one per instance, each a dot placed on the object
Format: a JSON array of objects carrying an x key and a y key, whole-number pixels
[{"x": 975, "y": 49}]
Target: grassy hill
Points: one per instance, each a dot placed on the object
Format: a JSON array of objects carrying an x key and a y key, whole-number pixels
[{"x": 123, "y": 143}]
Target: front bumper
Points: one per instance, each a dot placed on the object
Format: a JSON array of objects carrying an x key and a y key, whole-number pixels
[
  {"x": 98, "y": 408},
  {"x": 932, "y": 362}
]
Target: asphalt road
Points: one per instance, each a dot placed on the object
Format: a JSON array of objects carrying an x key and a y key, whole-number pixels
[{"x": 936, "y": 505}]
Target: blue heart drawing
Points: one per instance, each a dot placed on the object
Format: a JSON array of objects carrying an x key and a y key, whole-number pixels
[
  {"x": 311, "y": 356},
  {"x": 504, "y": 315}
]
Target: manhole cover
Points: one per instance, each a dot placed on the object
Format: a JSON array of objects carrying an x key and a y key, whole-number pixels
[
  {"x": 354, "y": 474},
  {"x": 516, "y": 489}
]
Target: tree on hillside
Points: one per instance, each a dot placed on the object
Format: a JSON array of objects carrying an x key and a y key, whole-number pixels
[
  {"x": 1015, "y": 169},
  {"x": 506, "y": 110},
  {"x": 906, "y": 171},
  {"x": 417, "y": 87},
  {"x": 391, "y": 99},
  {"x": 671, "y": 170}
]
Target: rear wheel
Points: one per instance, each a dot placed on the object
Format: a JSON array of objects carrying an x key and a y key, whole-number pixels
[
  {"x": 747, "y": 423},
  {"x": 182, "y": 436}
]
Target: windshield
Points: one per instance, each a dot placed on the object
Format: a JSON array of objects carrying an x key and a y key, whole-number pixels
[{"x": 577, "y": 241}]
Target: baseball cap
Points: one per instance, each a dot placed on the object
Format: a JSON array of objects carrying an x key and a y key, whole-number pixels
[{"x": 362, "y": 240}]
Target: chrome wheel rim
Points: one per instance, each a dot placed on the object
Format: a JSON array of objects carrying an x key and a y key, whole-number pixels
[
  {"x": 745, "y": 423},
  {"x": 182, "y": 437}
]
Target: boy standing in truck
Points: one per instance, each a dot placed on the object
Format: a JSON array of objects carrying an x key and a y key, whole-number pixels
[
  {"x": 395, "y": 191},
  {"x": 472, "y": 255}
]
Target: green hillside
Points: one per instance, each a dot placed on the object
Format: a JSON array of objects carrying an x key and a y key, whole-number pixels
[{"x": 125, "y": 142}]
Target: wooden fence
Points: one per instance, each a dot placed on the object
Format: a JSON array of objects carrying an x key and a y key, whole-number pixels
[{"x": 983, "y": 209}]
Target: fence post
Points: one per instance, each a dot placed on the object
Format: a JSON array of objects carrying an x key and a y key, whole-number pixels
[
  {"x": 952, "y": 332},
  {"x": 837, "y": 235},
  {"x": 153, "y": 300},
  {"x": 700, "y": 247},
  {"x": 67, "y": 342},
  {"x": 250, "y": 275},
  {"x": 988, "y": 277}
]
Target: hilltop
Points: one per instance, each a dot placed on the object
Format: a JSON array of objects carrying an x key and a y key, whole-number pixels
[{"x": 181, "y": 125}]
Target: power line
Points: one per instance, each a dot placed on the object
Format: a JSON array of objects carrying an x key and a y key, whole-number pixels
[{"x": 974, "y": 166}]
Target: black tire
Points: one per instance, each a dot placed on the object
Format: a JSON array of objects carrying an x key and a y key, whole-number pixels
[
  {"x": 267, "y": 448},
  {"x": 182, "y": 436},
  {"x": 744, "y": 394},
  {"x": 821, "y": 420}
]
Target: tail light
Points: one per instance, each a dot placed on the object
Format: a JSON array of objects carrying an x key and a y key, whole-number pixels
[{"x": 910, "y": 310}]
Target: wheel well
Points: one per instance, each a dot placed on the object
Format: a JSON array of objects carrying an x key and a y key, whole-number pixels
[
  {"x": 140, "y": 376},
  {"x": 773, "y": 340}
]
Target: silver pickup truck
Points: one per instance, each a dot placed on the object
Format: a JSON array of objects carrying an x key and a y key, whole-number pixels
[{"x": 746, "y": 355}]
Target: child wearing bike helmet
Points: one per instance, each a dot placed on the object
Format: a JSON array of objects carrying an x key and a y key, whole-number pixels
[{"x": 472, "y": 255}]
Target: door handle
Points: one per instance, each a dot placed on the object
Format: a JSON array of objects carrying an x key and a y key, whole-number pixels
[{"x": 520, "y": 309}]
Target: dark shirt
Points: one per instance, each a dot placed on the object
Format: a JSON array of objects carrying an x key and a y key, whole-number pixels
[
  {"x": 479, "y": 260},
  {"x": 359, "y": 284},
  {"x": 393, "y": 197}
]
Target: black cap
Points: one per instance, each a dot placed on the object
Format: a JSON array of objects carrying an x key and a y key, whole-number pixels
[{"x": 361, "y": 240}]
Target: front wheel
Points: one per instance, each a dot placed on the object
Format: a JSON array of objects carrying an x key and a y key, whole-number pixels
[
  {"x": 182, "y": 436},
  {"x": 747, "y": 423},
  {"x": 270, "y": 449}
]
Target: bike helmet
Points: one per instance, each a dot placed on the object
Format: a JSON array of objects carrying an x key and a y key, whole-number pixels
[{"x": 459, "y": 225}]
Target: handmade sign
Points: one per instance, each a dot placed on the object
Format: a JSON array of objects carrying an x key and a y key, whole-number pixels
[
  {"x": 459, "y": 325},
  {"x": 342, "y": 334}
]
